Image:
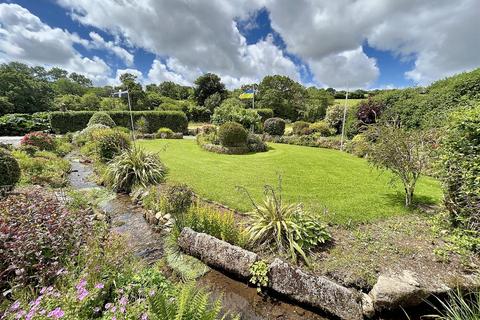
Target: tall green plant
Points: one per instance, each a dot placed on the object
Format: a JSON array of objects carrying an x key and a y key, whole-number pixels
[
  {"x": 459, "y": 307},
  {"x": 135, "y": 167}
]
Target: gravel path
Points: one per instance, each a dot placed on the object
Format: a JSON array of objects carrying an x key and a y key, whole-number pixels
[{"x": 15, "y": 141}]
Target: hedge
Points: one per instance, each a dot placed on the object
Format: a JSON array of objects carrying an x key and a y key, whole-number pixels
[
  {"x": 19, "y": 124},
  {"x": 265, "y": 113},
  {"x": 63, "y": 122}
]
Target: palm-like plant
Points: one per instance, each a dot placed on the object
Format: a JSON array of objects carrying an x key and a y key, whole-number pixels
[
  {"x": 135, "y": 167},
  {"x": 459, "y": 307}
]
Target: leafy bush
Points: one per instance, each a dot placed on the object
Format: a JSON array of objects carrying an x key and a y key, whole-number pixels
[
  {"x": 9, "y": 170},
  {"x": 110, "y": 143},
  {"x": 232, "y": 134},
  {"x": 232, "y": 110},
  {"x": 166, "y": 133},
  {"x": 264, "y": 114},
  {"x": 359, "y": 145},
  {"x": 141, "y": 125},
  {"x": 63, "y": 122},
  {"x": 21, "y": 124},
  {"x": 135, "y": 167},
  {"x": 285, "y": 226},
  {"x": 334, "y": 116},
  {"x": 274, "y": 126},
  {"x": 208, "y": 128},
  {"x": 255, "y": 143},
  {"x": 301, "y": 128},
  {"x": 41, "y": 140},
  {"x": 370, "y": 110},
  {"x": 460, "y": 159},
  {"x": 205, "y": 219},
  {"x": 323, "y": 128},
  {"x": 43, "y": 168},
  {"x": 39, "y": 236},
  {"x": 101, "y": 118},
  {"x": 169, "y": 198}
]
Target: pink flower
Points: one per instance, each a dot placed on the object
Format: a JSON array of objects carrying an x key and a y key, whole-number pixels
[
  {"x": 81, "y": 284},
  {"x": 57, "y": 313},
  {"x": 108, "y": 306},
  {"x": 15, "y": 305},
  {"x": 152, "y": 293},
  {"x": 144, "y": 316},
  {"x": 99, "y": 286},
  {"x": 123, "y": 301},
  {"x": 82, "y": 294}
]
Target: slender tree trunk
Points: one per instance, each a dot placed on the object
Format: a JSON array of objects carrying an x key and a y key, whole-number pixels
[{"x": 408, "y": 196}]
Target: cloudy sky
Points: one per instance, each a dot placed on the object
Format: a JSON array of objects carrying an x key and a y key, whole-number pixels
[{"x": 354, "y": 43}]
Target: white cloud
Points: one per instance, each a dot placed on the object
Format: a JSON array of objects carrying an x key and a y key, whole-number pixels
[
  {"x": 440, "y": 35},
  {"x": 99, "y": 43},
  {"x": 24, "y": 37}
]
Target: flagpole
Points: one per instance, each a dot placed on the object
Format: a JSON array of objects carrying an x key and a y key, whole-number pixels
[
  {"x": 344, "y": 119},
  {"x": 253, "y": 101},
  {"x": 120, "y": 92}
]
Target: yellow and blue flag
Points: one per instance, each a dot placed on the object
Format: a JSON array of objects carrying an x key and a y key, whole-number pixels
[{"x": 247, "y": 94}]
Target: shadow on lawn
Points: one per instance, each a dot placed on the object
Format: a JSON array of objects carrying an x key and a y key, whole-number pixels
[{"x": 419, "y": 201}]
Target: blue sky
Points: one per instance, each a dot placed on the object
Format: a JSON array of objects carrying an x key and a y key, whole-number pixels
[{"x": 314, "y": 42}]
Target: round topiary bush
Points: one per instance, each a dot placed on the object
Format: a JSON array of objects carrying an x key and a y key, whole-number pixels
[
  {"x": 41, "y": 140},
  {"x": 111, "y": 143},
  {"x": 274, "y": 126},
  {"x": 232, "y": 134},
  {"x": 165, "y": 133},
  {"x": 101, "y": 118},
  {"x": 301, "y": 128},
  {"x": 9, "y": 170}
]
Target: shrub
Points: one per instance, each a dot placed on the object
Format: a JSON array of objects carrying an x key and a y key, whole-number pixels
[
  {"x": 458, "y": 306},
  {"x": 274, "y": 126},
  {"x": 359, "y": 145},
  {"x": 301, "y": 128},
  {"x": 264, "y": 114},
  {"x": 255, "y": 144},
  {"x": 460, "y": 161},
  {"x": 232, "y": 110},
  {"x": 9, "y": 170},
  {"x": 165, "y": 133},
  {"x": 208, "y": 128},
  {"x": 232, "y": 134},
  {"x": 141, "y": 125},
  {"x": 285, "y": 226},
  {"x": 101, "y": 118},
  {"x": 205, "y": 219},
  {"x": 133, "y": 168},
  {"x": 323, "y": 128},
  {"x": 110, "y": 143},
  {"x": 39, "y": 236},
  {"x": 41, "y": 140},
  {"x": 370, "y": 110},
  {"x": 334, "y": 116},
  {"x": 63, "y": 122},
  {"x": 21, "y": 124},
  {"x": 43, "y": 168},
  {"x": 177, "y": 198}
]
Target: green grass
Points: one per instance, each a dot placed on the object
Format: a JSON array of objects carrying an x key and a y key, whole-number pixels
[
  {"x": 350, "y": 188},
  {"x": 350, "y": 102}
]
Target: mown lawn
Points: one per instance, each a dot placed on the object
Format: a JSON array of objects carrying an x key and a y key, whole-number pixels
[{"x": 351, "y": 189}]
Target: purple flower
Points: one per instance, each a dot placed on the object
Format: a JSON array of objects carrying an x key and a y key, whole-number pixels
[
  {"x": 122, "y": 309},
  {"x": 15, "y": 305},
  {"x": 81, "y": 284},
  {"x": 43, "y": 290},
  {"x": 96, "y": 309},
  {"x": 82, "y": 293},
  {"x": 123, "y": 301},
  {"x": 108, "y": 306},
  {"x": 57, "y": 313},
  {"x": 144, "y": 316},
  {"x": 151, "y": 293},
  {"x": 99, "y": 286},
  {"x": 20, "y": 314}
]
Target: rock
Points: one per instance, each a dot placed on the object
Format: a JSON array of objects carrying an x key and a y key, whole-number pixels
[
  {"x": 315, "y": 291},
  {"x": 367, "y": 306},
  {"x": 159, "y": 215},
  {"x": 217, "y": 253},
  {"x": 168, "y": 216},
  {"x": 399, "y": 290}
]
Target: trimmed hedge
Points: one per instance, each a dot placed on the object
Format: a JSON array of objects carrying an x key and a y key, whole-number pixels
[
  {"x": 63, "y": 122},
  {"x": 265, "y": 113}
]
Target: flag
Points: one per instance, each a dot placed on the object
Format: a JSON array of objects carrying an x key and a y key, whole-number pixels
[{"x": 247, "y": 94}]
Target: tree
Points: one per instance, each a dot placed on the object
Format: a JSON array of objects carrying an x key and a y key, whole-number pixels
[
  {"x": 206, "y": 85},
  {"x": 26, "y": 88},
  {"x": 67, "y": 102},
  {"x": 67, "y": 86},
  {"x": 81, "y": 79},
  {"x": 112, "y": 104},
  {"x": 232, "y": 110},
  {"x": 283, "y": 95},
  {"x": 129, "y": 82},
  {"x": 5, "y": 106},
  {"x": 168, "y": 89},
  {"x": 90, "y": 101},
  {"x": 56, "y": 73},
  {"x": 405, "y": 153},
  {"x": 213, "y": 101},
  {"x": 316, "y": 103},
  {"x": 370, "y": 110},
  {"x": 334, "y": 116}
]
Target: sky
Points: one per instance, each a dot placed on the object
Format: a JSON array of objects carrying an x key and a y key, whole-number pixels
[{"x": 342, "y": 44}]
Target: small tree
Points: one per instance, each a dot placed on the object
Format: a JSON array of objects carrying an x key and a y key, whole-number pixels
[{"x": 405, "y": 153}]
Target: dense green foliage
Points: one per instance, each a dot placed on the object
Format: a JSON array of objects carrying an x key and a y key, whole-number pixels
[
  {"x": 40, "y": 140},
  {"x": 20, "y": 124},
  {"x": 352, "y": 190},
  {"x": 63, "y": 122},
  {"x": 109, "y": 143},
  {"x": 264, "y": 113},
  {"x": 207, "y": 85},
  {"x": 460, "y": 155},
  {"x": 232, "y": 134},
  {"x": 274, "y": 126},
  {"x": 135, "y": 168},
  {"x": 301, "y": 128},
  {"x": 9, "y": 170},
  {"x": 233, "y": 110},
  {"x": 42, "y": 168},
  {"x": 101, "y": 118}
]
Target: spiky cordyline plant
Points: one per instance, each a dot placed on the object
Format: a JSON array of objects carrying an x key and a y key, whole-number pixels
[
  {"x": 135, "y": 167},
  {"x": 459, "y": 307}
]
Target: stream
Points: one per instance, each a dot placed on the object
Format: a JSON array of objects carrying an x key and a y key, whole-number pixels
[{"x": 238, "y": 298}]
